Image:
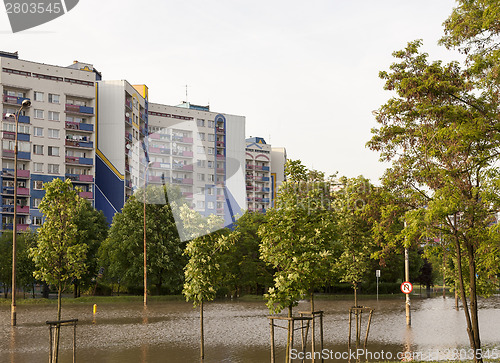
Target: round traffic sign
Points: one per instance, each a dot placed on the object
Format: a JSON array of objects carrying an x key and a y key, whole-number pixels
[{"x": 406, "y": 287}]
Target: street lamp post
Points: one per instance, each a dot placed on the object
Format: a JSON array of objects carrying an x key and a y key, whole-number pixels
[
  {"x": 144, "y": 215},
  {"x": 13, "y": 316}
]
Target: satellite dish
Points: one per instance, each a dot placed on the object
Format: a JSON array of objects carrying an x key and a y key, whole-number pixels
[
  {"x": 127, "y": 114},
  {"x": 28, "y": 221}
]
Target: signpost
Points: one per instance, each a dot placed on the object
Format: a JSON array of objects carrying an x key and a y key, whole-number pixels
[
  {"x": 406, "y": 287},
  {"x": 377, "y": 274}
]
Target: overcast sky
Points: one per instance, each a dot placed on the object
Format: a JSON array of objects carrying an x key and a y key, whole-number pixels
[{"x": 304, "y": 73}]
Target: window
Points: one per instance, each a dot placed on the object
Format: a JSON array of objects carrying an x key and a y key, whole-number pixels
[
  {"x": 211, "y": 151},
  {"x": 37, "y": 131},
  {"x": 200, "y": 149},
  {"x": 201, "y": 177},
  {"x": 210, "y": 164},
  {"x": 210, "y": 205},
  {"x": 200, "y": 190},
  {"x": 37, "y": 221},
  {"x": 38, "y": 167},
  {"x": 53, "y": 133},
  {"x": 201, "y": 136},
  {"x": 36, "y": 202},
  {"x": 38, "y": 96},
  {"x": 200, "y": 122},
  {"x": 53, "y": 116},
  {"x": 8, "y": 126},
  {"x": 53, "y": 98},
  {"x": 53, "y": 168},
  {"x": 38, "y": 113},
  {"x": 53, "y": 151},
  {"x": 211, "y": 177},
  {"x": 211, "y": 124},
  {"x": 211, "y": 191},
  {"x": 7, "y": 144},
  {"x": 200, "y": 163},
  {"x": 211, "y": 137},
  {"x": 37, "y": 185},
  {"x": 23, "y": 129},
  {"x": 24, "y": 146},
  {"x": 200, "y": 204},
  {"x": 38, "y": 149}
]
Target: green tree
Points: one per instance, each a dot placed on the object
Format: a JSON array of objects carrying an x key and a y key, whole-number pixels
[
  {"x": 246, "y": 272},
  {"x": 355, "y": 240},
  {"x": 441, "y": 133},
  {"x": 92, "y": 230},
  {"x": 203, "y": 272},
  {"x": 297, "y": 237},
  {"x": 122, "y": 253},
  {"x": 58, "y": 256}
]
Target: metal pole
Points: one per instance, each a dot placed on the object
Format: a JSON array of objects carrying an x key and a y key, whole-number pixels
[
  {"x": 377, "y": 288},
  {"x": 407, "y": 278},
  {"x": 145, "y": 269},
  {"x": 13, "y": 316}
]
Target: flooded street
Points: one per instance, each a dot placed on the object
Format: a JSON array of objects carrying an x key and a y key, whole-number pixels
[{"x": 234, "y": 331}]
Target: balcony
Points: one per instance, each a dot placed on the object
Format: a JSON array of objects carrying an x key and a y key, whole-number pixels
[
  {"x": 79, "y": 161},
  {"x": 128, "y": 103},
  {"x": 220, "y": 131},
  {"x": 159, "y": 150},
  {"x": 265, "y": 200},
  {"x": 221, "y": 170},
  {"x": 20, "y": 154},
  {"x": 87, "y": 195},
  {"x": 128, "y": 121},
  {"x": 265, "y": 168},
  {"x": 249, "y": 177},
  {"x": 79, "y": 109},
  {"x": 265, "y": 178},
  {"x": 250, "y": 187},
  {"x": 70, "y": 125},
  {"x": 154, "y": 178},
  {"x": 220, "y": 143},
  {"x": 21, "y": 209},
  {"x": 80, "y": 178},
  {"x": 220, "y": 197},
  {"x": 187, "y": 181},
  {"x": 128, "y": 136},
  {"x": 187, "y": 153},
  {"x": 13, "y": 100},
  {"x": 177, "y": 180},
  {"x": 250, "y": 166},
  {"x": 187, "y": 195},
  {"x": 20, "y": 227},
  {"x": 187, "y": 140},
  {"x": 77, "y": 143},
  {"x": 20, "y": 191},
  {"x": 188, "y": 167},
  {"x": 9, "y": 173},
  {"x": 266, "y": 190}
]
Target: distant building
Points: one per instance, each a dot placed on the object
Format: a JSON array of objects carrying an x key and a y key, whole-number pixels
[
  {"x": 55, "y": 134},
  {"x": 264, "y": 173}
]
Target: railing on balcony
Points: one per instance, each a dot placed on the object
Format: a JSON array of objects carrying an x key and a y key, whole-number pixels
[
  {"x": 250, "y": 166},
  {"x": 20, "y": 227},
  {"x": 78, "y": 160},
  {"x": 71, "y": 125},
  {"x": 14, "y": 100},
  {"x": 188, "y": 167},
  {"x": 79, "y": 109},
  {"x": 265, "y": 168},
  {"x": 9, "y": 173},
  {"x": 177, "y": 180},
  {"x": 128, "y": 120},
  {"x": 220, "y": 170},
  {"x": 187, "y": 181},
  {"x": 220, "y": 197},
  {"x": 80, "y": 178},
  {"x": 220, "y": 157},
  {"x": 128, "y": 103},
  {"x": 266, "y": 190},
  {"x": 154, "y": 178},
  {"x": 250, "y": 187},
  {"x": 20, "y": 191},
  {"x": 220, "y": 143},
  {"x": 220, "y": 130},
  {"x": 21, "y": 209},
  {"x": 187, "y": 153},
  {"x": 265, "y": 200},
  {"x": 87, "y": 195},
  {"x": 77, "y": 143}
]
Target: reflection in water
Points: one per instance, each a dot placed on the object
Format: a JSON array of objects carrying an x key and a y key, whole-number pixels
[{"x": 235, "y": 331}]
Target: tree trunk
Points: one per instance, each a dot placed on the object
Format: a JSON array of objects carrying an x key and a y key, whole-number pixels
[
  {"x": 473, "y": 299},
  {"x": 464, "y": 299},
  {"x": 45, "y": 291},
  {"x": 75, "y": 289},
  {"x": 287, "y": 353},
  {"x": 202, "y": 340},
  {"x": 57, "y": 328}
]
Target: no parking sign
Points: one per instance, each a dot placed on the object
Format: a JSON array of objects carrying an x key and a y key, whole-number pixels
[{"x": 406, "y": 287}]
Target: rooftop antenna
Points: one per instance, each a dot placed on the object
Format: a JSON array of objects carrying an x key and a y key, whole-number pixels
[{"x": 186, "y": 93}]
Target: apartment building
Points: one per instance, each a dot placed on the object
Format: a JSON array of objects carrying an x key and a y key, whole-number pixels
[
  {"x": 55, "y": 134},
  {"x": 201, "y": 152},
  {"x": 264, "y": 173},
  {"x": 122, "y": 126}
]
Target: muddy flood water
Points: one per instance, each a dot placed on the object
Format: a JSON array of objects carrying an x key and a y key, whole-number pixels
[{"x": 236, "y": 331}]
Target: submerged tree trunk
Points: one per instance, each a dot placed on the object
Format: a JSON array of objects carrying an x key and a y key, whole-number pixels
[
  {"x": 202, "y": 341},
  {"x": 474, "y": 344},
  {"x": 287, "y": 353}
]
